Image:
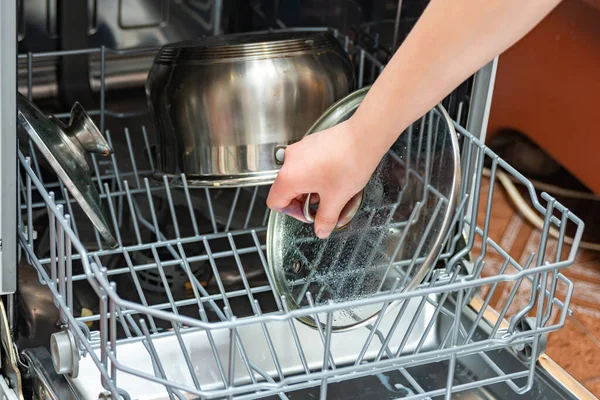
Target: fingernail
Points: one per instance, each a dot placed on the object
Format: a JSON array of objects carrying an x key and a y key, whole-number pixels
[{"x": 322, "y": 233}]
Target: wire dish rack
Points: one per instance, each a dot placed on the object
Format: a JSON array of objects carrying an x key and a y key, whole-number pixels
[{"x": 185, "y": 307}]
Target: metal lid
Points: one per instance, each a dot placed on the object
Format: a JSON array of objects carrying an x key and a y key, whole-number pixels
[
  {"x": 65, "y": 147},
  {"x": 393, "y": 240}
]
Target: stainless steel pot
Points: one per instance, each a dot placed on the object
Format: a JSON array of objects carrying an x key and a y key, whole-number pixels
[{"x": 222, "y": 105}]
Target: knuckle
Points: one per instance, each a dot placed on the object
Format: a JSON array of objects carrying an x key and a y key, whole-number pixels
[{"x": 327, "y": 220}]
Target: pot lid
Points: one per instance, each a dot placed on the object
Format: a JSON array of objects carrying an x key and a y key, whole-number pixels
[
  {"x": 394, "y": 238},
  {"x": 65, "y": 147}
]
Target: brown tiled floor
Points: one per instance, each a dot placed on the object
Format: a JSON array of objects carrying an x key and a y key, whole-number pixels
[{"x": 575, "y": 347}]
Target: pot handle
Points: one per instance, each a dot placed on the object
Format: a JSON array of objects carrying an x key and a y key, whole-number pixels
[
  {"x": 346, "y": 215},
  {"x": 348, "y": 212}
]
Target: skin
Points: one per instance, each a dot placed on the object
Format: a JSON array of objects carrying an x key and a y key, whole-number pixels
[{"x": 450, "y": 42}]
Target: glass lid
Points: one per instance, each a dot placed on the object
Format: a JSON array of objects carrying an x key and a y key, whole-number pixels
[
  {"x": 65, "y": 147},
  {"x": 392, "y": 241}
]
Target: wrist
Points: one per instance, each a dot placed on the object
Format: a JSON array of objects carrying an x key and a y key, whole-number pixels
[{"x": 369, "y": 138}]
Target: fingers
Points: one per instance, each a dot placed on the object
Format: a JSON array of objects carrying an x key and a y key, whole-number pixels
[
  {"x": 327, "y": 215},
  {"x": 295, "y": 209},
  {"x": 282, "y": 192}
]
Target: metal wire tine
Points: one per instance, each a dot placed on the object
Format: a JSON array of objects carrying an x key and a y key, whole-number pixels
[
  {"x": 171, "y": 207},
  {"x": 103, "y": 306},
  {"x": 396, "y": 27},
  {"x": 97, "y": 173},
  {"x": 409, "y": 132},
  {"x": 33, "y": 156},
  {"x": 269, "y": 342},
  {"x": 545, "y": 230},
  {"x": 102, "y": 87},
  {"x": 156, "y": 363},
  {"x": 412, "y": 381},
  {"x": 65, "y": 193},
  {"x": 474, "y": 211},
  {"x": 138, "y": 287},
  {"x": 326, "y": 352},
  {"x": 69, "y": 267},
  {"x": 188, "y": 199},
  {"x": 145, "y": 135},
  {"x": 132, "y": 158},
  {"x": 385, "y": 344},
  {"x": 213, "y": 346},
  {"x": 213, "y": 266},
  {"x": 436, "y": 312},
  {"x": 427, "y": 177},
  {"x": 52, "y": 241},
  {"x": 231, "y": 372},
  {"x": 459, "y": 111},
  {"x": 132, "y": 211},
  {"x": 542, "y": 299},
  {"x": 29, "y": 206},
  {"x": 414, "y": 213},
  {"x": 450, "y": 244},
  {"x": 361, "y": 68},
  {"x": 113, "y": 159},
  {"x": 561, "y": 234},
  {"x": 239, "y": 344},
  {"x": 428, "y": 228},
  {"x": 113, "y": 333},
  {"x": 511, "y": 297},
  {"x": 452, "y": 364},
  {"x": 551, "y": 296},
  {"x": 211, "y": 211},
  {"x": 238, "y": 262},
  {"x": 386, "y": 304},
  {"x": 413, "y": 321},
  {"x": 111, "y": 209},
  {"x": 266, "y": 216},
  {"x": 134, "y": 325},
  {"x": 296, "y": 338},
  {"x": 486, "y": 303},
  {"x": 124, "y": 323},
  {"x": 525, "y": 310},
  {"x": 60, "y": 234},
  {"x": 232, "y": 210},
  {"x": 466, "y": 156},
  {"x": 152, "y": 211},
  {"x": 250, "y": 207},
  {"x": 167, "y": 287},
  {"x": 268, "y": 273},
  {"x": 311, "y": 304},
  {"x": 197, "y": 287}
]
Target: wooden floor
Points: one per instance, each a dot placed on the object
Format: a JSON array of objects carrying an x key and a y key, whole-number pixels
[{"x": 575, "y": 347}]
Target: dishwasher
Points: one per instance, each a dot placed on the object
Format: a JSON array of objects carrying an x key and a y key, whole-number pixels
[{"x": 184, "y": 307}]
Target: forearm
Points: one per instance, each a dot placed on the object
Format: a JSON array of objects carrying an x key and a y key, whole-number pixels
[{"x": 452, "y": 40}]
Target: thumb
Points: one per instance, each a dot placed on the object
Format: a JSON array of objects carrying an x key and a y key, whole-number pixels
[{"x": 328, "y": 214}]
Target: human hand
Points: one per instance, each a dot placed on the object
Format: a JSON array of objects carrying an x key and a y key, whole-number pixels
[{"x": 332, "y": 165}]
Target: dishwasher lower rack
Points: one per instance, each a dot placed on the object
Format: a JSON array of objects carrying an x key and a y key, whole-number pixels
[{"x": 186, "y": 308}]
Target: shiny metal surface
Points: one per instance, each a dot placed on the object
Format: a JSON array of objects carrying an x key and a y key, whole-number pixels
[
  {"x": 117, "y": 25},
  {"x": 65, "y": 148},
  {"x": 121, "y": 24},
  {"x": 223, "y": 105},
  {"x": 405, "y": 214}
]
